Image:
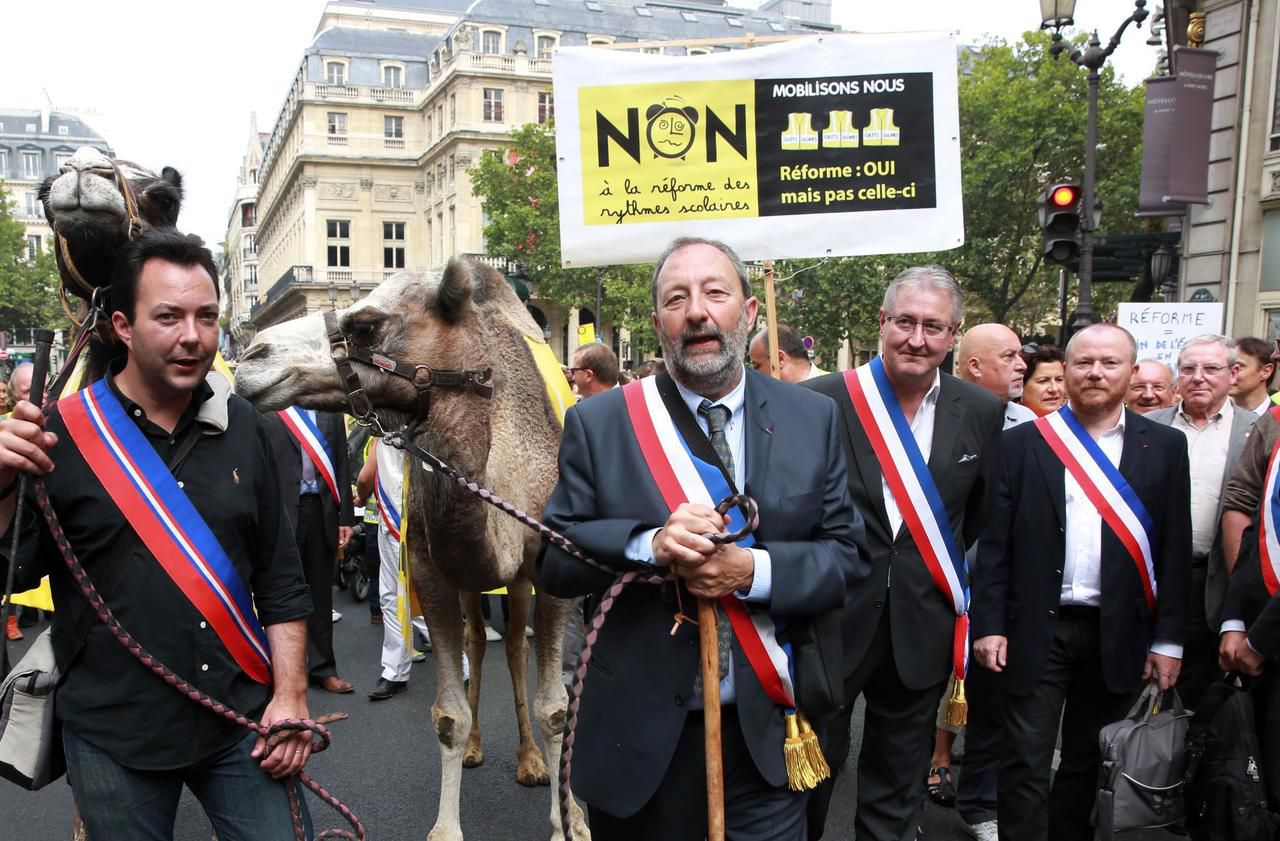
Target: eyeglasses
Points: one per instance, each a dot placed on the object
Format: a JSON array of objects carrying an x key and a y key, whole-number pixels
[
  {"x": 1190, "y": 371},
  {"x": 932, "y": 329}
]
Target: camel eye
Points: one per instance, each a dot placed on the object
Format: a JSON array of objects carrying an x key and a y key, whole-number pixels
[{"x": 363, "y": 331}]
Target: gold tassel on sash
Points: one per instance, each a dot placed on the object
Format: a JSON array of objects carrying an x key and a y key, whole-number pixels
[
  {"x": 806, "y": 766},
  {"x": 957, "y": 714}
]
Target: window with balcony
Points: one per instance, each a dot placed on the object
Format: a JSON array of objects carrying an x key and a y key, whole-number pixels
[
  {"x": 337, "y": 128},
  {"x": 546, "y": 107},
  {"x": 248, "y": 246},
  {"x": 251, "y": 277},
  {"x": 338, "y": 252},
  {"x": 30, "y": 164},
  {"x": 493, "y": 105},
  {"x": 33, "y": 246},
  {"x": 491, "y": 42},
  {"x": 393, "y": 245},
  {"x": 248, "y": 215},
  {"x": 546, "y": 45},
  {"x": 335, "y": 72},
  {"x": 393, "y": 128},
  {"x": 392, "y": 76}
]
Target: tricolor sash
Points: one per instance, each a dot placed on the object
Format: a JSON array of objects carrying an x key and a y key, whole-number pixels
[
  {"x": 301, "y": 427},
  {"x": 683, "y": 477},
  {"x": 915, "y": 492},
  {"x": 1268, "y": 545},
  {"x": 171, "y": 528},
  {"x": 1102, "y": 483},
  {"x": 388, "y": 508}
]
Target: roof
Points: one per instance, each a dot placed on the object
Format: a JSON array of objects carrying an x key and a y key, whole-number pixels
[
  {"x": 456, "y": 7},
  {"x": 375, "y": 42}
]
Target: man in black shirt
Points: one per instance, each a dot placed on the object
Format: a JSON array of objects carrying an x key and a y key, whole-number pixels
[{"x": 132, "y": 741}]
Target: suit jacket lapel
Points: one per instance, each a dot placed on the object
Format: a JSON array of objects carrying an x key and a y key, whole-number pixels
[
  {"x": 757, "y": 437},
  {"x": 1054, "y": 474},
  {"x": 948, "y": 416},
  {"x": 1135, "y": 440}
]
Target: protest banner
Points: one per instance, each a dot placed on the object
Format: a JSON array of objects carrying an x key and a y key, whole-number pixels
[
  {"x": 831, "y": 145},
  {"x": 1160, "y": 330}
]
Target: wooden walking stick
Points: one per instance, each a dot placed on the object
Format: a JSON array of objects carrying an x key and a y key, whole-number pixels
[{"x": 709, "y": 646}]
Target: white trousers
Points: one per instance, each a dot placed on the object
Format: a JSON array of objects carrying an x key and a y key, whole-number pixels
[{"x": 396, "y": 658}]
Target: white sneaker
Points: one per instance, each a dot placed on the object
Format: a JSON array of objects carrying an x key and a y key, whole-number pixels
[
  {"x": 337, "y": 617},
  {"x": 984, "y": 831}
]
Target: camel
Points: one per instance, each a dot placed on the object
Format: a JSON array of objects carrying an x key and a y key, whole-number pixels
[
  {"x": 88, "y": 211},
  {"x": 464, "y": 318}
]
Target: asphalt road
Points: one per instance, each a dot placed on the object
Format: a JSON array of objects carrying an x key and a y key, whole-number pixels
[{"x": 385, "y": 765}]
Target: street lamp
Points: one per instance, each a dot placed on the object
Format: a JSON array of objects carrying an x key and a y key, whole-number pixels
[
  {"x": 1161, "y": 267},
  {"x": 1055, "y": 14}
]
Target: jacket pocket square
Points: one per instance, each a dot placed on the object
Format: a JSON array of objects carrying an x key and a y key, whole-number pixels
[{"x": 968, "y": 457}]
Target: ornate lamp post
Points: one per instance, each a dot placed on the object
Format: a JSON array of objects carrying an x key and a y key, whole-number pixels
[
  {"x": 1161, "y": 266},
  {"x": 1056, "y": 14}
]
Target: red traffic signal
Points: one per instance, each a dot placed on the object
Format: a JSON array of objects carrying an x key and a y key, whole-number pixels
[
  {"x": 1064, "y": 195},
  {"x": 1058, "y": 208}
]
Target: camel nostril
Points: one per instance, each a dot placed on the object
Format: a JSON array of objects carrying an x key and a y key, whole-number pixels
[{"x": 256, "y": 352}]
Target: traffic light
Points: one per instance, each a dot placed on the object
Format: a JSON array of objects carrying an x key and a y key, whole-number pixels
[{"x": 1059, "y": 210}]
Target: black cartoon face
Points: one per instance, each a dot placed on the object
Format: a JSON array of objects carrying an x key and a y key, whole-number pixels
[{"x": 671, "y": 128}]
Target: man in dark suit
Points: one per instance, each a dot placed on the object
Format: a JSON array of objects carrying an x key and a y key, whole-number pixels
[
  {"x": 899, "y": 631},
  {"x": 1070, "y": 617},
  {"x": 638, "y": 760},
  {"x": 1216, "y": 431},
  {"x": 311, "y": 448}
]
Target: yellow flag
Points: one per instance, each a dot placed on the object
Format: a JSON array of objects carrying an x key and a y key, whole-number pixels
[
  {"x": 586, "y": 334},
  {"x": 558, "y": 390},
  {"x": 40, "y": 597}
]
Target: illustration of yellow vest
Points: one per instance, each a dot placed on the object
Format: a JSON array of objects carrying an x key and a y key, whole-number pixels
[
  {"x": 840, "y": 132},
  {"x": 881, "y": 131},
  {"x": 800, "y": 133}
]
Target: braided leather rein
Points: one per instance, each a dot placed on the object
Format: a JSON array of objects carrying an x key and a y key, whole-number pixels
[
  {"x": 398, "y": 440},
  {"x": 272, "y": 734}
]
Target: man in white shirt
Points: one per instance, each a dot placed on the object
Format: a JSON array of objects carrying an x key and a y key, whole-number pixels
[
  {"x": 1081, "y": 587},
  {"x": 1215, "y": 430},
  {"x": 1254, "y": 372},
  {"x": 794, "y": 365}
]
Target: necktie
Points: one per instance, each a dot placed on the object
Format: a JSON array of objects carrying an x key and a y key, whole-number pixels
[{"x": 717, "y": 419}]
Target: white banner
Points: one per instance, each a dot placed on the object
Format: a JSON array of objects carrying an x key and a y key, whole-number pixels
[
  {"x": 1162, "y": 329},
  {"x": 825, "y": 145}
]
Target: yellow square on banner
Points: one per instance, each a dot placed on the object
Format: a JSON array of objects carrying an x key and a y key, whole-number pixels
[
  {"x": 668, "y": 151},
  {"x": 586, "y": 334}
]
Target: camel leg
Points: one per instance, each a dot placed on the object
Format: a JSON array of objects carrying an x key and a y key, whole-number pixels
[
  {"x": 473, "y": 755},
  {"x": 551, "y": 702},
  {"x": 450, "y": 713},
  {"x": 531, "y": 770}
]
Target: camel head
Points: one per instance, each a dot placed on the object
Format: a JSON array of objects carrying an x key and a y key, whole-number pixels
[
  {"x": 441, "y": 320},
  {"x": 87, "y": 208}
]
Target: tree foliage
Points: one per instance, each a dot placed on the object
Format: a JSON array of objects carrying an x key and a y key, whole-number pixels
[
  {"x": 518, "y": 187},
  {"x": 28, "y": 288},
  {"x": 1022, "y": 124}
]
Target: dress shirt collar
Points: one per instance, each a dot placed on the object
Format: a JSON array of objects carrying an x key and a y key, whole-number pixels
[
  {"x": 1225, "y": 413},
  {"x": 1119, "y": 427},
  {"x": 1261, "y": 408},
  {"x": 208, "y": 401},
  {"x": 732, "y": 401}
]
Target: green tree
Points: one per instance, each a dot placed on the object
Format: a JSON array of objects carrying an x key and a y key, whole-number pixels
[
  {"x": 28, "y": 288},
  {"x": 518, "y": 187}
]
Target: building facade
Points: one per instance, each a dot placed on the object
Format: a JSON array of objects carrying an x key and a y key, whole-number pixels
[
  {"x": 33, "y": 146},
  {"x": 366, "y": 168},
  {"x": 240, "y": 249}
]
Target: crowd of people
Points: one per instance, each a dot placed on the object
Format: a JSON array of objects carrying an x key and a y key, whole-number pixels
[{"x": 1013, "y": 550}]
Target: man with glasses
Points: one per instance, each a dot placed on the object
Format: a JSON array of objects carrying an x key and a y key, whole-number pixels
[
  {"x": 594, "y": 370},
  {"x": 1216, "y": 431},
  {"x": 925, "y": 454},
  {"x": 1151, "y": 388}
]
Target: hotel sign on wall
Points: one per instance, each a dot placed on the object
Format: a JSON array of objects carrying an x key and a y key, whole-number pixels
[{"x": 825, "y": 145}]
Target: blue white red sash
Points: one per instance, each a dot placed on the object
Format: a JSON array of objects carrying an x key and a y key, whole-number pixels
[
  {"x": 1102, "y": 483},
  {"x": 915, "y": 492},
  {"x": 388, "y": 507},
  {"x": 1269, "y": 522},
  {"x": 171, "y": 528},
  {"x": 683, "y": 477},
  {"x": 300, "y": 425}
]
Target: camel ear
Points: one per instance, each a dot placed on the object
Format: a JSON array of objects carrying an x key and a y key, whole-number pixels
[
  {"x": 173, "y": 177},
  {"x": 453, "y": 296}
]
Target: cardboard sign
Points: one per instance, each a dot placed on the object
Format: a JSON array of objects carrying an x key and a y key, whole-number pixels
[
  {"x": 1161, "y": 330},
  {"x": 828, "y": 145}
]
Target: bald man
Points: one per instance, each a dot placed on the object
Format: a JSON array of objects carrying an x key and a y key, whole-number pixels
[
  {"x": 1151, "y": 387},
  {"x": 990, "y": 356},
  {"x": 793, "y": 357}
]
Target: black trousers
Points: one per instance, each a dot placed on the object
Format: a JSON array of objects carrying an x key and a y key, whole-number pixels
[
  {"x": 897, "y": 741},
  {"x": 1200, "y": 654},
  {"x": 983, "y": 736},
  {"x": 1071, "y": 691},
  {"x": 754, "y": 810},
  {"x": 317, "y": 551}
]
